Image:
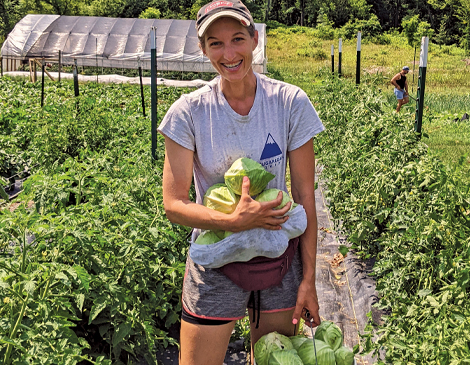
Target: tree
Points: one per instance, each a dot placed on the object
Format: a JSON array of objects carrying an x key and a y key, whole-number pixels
[
  {"x": 59, "y": 7},
  {"x": 109, "y": 8},
  {"x": 150, "y": 13},
  {"x": 9, "y": 15},
  {"x": 463, "y": 13}
]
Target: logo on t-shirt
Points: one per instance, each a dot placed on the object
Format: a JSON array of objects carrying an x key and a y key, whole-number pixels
[{"x": 272, "y": 154}]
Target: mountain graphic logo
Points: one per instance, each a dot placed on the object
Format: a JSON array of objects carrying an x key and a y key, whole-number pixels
[{"x": 271, "y": 148}]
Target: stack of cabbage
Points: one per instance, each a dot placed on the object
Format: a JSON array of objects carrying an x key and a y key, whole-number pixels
[
  {"x": 276, "y": 349},
  {"x": 225, "y": 197}
]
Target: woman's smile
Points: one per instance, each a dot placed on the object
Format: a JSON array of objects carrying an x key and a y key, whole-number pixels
[
  {"x": 230, "y": 48},
  {"x": 232, "y": 66}
]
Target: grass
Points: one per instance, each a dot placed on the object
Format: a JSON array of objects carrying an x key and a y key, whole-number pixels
[
  {"x": 296, "y": 55},
  {"x": 300, "y": 54},
  {"x": 450, "y": 138}
]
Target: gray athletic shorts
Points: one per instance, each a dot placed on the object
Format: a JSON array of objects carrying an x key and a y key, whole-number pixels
[{"x": 209, "y": 294}]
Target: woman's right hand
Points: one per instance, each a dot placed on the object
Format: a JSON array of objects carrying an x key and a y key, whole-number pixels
[{"x": 251, "y": 214}]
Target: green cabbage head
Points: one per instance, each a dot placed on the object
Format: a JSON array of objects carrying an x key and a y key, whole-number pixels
[
  {"x": 207, "y": 238},
  {"x": 330, "y": 333},
  {"x": 268, "y": 344},
  {"x": 219, "y": 197},
  {"x": 259, "y": 177},
  {"x": 298, "y": 340},
  {"x": 284, "y": 357},
  {"x": 344, "y": 356},
  {"x": 271, "y": 194},
  {"x": 325, "y": 355}
]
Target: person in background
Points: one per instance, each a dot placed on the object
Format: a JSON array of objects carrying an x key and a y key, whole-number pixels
[
  {"x": 239, "y": 114},
  {"x": 401, "y": 87}
]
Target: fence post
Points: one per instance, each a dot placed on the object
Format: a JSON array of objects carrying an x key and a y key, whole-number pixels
[
  {"x": 340, "y": 53},
  {"x": 35, "y": 75},
  {"x": 60, "y": 63},
  {"x": 358, "y": 59},
  {"x": 1, "y": 66},
  {"x": 96, "y": 59},
  {"x": 75, "y": 78},
  {"x": 332, "y": 59},
  {"x": 42, "y": 82},
  {"x": 153, "y": 83},
  {"x": 141, "y": 87},
  {"x": 423, "y": 62}
]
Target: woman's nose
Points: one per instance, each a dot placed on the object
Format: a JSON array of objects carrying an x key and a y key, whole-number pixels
[{"x": 229, "y": 53}]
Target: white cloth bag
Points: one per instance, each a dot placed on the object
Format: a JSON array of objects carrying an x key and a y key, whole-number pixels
[{"x": 245, "y": 245}]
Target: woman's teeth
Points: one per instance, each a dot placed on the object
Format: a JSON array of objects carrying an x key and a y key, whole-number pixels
[{"x": 232, "y": 65}]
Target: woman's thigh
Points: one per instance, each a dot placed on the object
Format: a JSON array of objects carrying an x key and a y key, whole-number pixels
[{"x": 204, "y": 344}]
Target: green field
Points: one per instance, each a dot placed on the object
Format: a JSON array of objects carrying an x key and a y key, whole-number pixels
[
  {"x": 91, "y": 270},
  {"x": 297, "y": 56}
]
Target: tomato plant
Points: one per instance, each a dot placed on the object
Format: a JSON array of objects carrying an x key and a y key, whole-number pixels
[{"x": 397, "y": 202}]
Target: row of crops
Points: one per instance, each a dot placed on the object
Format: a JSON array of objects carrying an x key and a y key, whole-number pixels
[
  {"x": 399, "y": 204},
  {"x": 91, "y": 270}
]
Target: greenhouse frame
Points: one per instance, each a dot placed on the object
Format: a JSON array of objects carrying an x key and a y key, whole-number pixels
[{"x": 112, "y": 43}]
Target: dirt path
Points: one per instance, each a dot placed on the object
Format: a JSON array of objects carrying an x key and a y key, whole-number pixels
[{"x": 346, "y": 293}]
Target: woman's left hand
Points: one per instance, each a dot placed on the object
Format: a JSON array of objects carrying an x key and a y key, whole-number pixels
[{"x": 307, "y": 302}]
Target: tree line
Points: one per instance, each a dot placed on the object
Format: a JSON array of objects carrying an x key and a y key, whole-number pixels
[{"x": 447, "y": 20}]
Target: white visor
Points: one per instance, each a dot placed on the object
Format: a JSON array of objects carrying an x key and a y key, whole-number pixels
[{"x": 227, "y": 13}]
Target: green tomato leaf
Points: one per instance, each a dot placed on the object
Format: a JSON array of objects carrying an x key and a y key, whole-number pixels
[
  {"x": 343, "y": 250},
  {"x": 98, "y": 306},
  {"x": 121, "y": 331},
  {"x": 83, "y": 276},
  {"x": 3, "y": 194},
  {"x": 79, "y": 299}
]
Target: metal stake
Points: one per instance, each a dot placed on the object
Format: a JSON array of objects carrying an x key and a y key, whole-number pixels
[
  {"x": 358, "y": 59},
  {"x": 332, "y": 59},
  {"x": 42, "y": 82},
  {"x": 423, "y": 62},
  {"x": 340, "y": 53},
  {"x": 153, "y": 83},
  {"x": 60, "y": 63},
  {"x": 141, "y": 87},
  {"x": 75, "y": 78}
]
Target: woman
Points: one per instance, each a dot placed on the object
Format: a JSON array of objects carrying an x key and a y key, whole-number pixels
[
  {"x": 401, "y": 87},
  {"x": 239, "y": 114}
]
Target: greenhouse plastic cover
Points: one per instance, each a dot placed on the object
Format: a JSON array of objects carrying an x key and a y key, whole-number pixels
[{"x": 115, "y": 42}]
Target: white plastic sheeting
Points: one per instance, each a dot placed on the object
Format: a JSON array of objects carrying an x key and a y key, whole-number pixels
[
  {"x": 115, "y": 42},
  {"x": 117, "y": 79}
]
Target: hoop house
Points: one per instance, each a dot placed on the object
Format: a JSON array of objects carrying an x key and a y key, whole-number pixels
[{"x": 114, "y": 42}]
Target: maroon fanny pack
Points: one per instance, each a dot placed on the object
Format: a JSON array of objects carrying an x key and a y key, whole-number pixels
[{"x": 261, "y": 272}]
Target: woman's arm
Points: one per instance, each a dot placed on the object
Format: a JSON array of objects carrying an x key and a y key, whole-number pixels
[
  {"x": 302, "y": 170},
  {"x": 177, "y": 178}
]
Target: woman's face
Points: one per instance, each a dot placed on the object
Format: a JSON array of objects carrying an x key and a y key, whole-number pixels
[{"x": 230, "y": 48}]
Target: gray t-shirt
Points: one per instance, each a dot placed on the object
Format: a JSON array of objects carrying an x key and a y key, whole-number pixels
[{"x": 281, "y": 119}]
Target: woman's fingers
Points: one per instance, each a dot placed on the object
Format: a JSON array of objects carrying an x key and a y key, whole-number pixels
[
  {"x": 307, "y": 305},
  {"x": 246, "y": 186},
  {"x": 253, "y": 214},
  {"x": 276, "y": 202},
  {"x": 274, "y": 223}
]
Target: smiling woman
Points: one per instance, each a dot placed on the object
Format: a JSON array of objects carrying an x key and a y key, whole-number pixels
[
  {"x": 240, "y": 114},
  {"x": 230, "y": 48}
]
